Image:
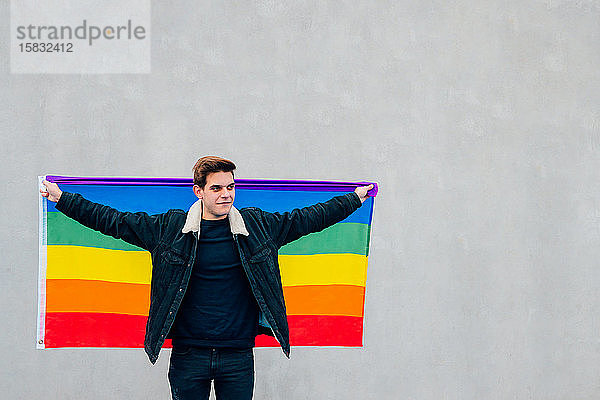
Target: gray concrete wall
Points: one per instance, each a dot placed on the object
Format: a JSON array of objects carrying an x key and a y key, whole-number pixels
[{"x": 480, "y": 121}]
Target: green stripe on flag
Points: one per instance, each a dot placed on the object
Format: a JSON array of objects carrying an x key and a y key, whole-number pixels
[
  {"x": 345, "y": 237},
  {"x": 64, "y": 230}
]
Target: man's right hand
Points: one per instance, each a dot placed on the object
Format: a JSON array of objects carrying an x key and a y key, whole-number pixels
[{"x": 52, "y": 191}]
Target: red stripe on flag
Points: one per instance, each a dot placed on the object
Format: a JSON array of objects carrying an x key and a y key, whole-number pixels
[
  {"x": 325, "y": 330},
  {"x": 320, "y": 330},
  {"x": 127, "y": 331},
  {"x": 95, "y": 330}
]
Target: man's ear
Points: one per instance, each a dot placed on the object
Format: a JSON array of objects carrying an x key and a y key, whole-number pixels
[{"x": 197, "y": 191}]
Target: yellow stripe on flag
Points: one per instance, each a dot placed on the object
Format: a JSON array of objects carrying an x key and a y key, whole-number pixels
[
  {"x": 78, "y": 262},
  {"x": 323, "y": 269}
]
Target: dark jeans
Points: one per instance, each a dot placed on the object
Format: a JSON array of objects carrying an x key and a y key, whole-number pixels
[{"x": 192, "y": 368}]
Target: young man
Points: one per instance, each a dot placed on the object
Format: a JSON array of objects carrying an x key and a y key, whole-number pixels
[{"x": 215, "y": 275}]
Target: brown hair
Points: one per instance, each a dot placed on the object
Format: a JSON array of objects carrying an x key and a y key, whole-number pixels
[{"x": 210, "y": 164}]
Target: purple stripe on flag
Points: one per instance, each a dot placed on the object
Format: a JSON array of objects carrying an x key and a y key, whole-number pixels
[{"x": 262, "y": 184}]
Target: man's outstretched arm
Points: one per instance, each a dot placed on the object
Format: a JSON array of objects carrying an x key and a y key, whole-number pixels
[
  {"x": 139, "y": 229},
  {"x": 289, "y": 226}
]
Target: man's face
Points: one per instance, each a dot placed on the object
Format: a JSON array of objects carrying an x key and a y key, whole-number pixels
[{"x": 217, "y": 195}]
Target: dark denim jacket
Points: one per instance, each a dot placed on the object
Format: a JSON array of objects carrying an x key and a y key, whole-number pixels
[{"x": 171, "y": 238}]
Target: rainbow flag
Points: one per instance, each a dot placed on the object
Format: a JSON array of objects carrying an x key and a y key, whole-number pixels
[{"x": 94, "y": 290}]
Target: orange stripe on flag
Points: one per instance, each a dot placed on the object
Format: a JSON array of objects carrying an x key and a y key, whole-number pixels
[
  {"x": 78, "y": 295},
  {"x": 346, "y": 300}
]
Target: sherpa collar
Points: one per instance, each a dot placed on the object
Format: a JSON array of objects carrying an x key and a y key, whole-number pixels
[{"x": 194, "y": 217}]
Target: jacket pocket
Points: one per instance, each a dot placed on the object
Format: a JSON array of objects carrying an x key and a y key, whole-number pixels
[
  {"x": 260, "y": 254},
  {"x": 168, "y": 256},
  {"x": 264, "y": 259},
  {"x": 170, "y": 264}
]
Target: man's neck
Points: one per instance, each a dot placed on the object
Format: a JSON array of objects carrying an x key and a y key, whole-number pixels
[{"x": 210, "y": 217}]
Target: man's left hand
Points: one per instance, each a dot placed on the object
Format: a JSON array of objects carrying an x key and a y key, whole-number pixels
[{"x": 361, "y": 191}]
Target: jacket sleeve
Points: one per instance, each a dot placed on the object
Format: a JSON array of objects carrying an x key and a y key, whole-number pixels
[
  {"x": 292, "y": 225},
  {"x": 139, "y": 229}
]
